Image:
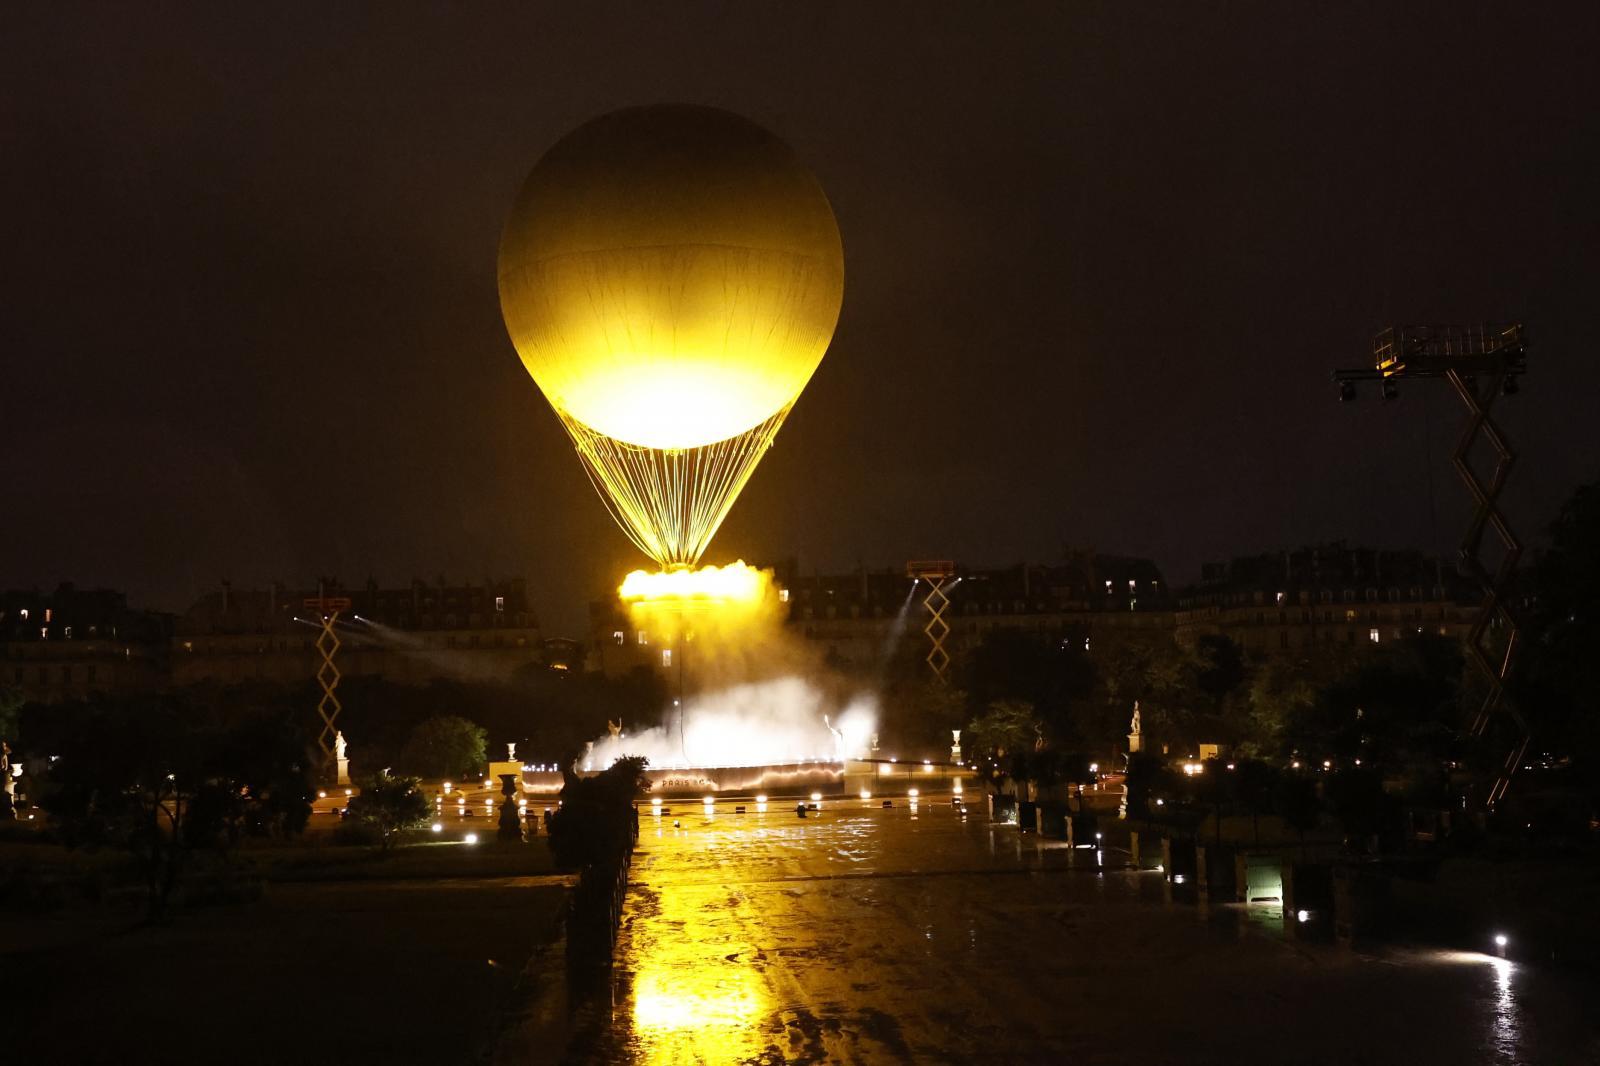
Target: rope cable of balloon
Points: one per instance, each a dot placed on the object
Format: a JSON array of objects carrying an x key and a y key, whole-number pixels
[{"x": 671, "y": 502}]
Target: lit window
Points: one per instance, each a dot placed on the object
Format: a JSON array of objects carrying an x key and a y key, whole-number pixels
[
  {"x": 783, "y": 595},
  {"x": 23, "y": 614},
  {"x": 499, "y": 603},
  {"x": 643, "y": 639},
  {"x": 48, "y": 611},
  {"x": 1349, "y": 616},
  {"x": 1280, "y": 597},
  {"x": 1372, "y": 635},
  {"x": 44, "y": 632},
  {"x": 617, "y": 636},
  {"x": 1131, "y": 584},
  {"x": 666, "y": 656}
]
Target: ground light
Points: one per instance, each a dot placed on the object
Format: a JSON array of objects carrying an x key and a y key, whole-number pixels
[
  {"x": 761, "y": 797},
  {"x": 1302, "y": 916},
  {"x": 912, "y": 793},
  {"x": 471, "y": 838},
  {"x": 864, "y": 794},
  {"x": 438, "y": 827},
  {"x": 816, "y": 797}
]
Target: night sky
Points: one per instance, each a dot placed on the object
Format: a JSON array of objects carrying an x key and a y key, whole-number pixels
[{"x": 1099, "y": 261}]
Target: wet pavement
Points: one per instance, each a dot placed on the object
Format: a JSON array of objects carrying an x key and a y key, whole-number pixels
[{"x": 865, "y": 935}]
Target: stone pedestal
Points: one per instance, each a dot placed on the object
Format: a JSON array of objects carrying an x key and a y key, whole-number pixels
[
  {"x": 344, "y": 771},
  {"x": 510, "y": 817},
  {"x": 1135, "y": 743}
]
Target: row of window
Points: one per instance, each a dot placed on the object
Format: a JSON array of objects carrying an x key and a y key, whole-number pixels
[
  {"x": 1324, "y": 596},
  {"x": 66, "y": 674},
  {"x": 1351, "y": 615},
  {"x": 495, "y": 640},
  {"x": 1351, "y": 636}
]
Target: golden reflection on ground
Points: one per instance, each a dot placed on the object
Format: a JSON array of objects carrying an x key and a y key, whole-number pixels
[{"x": 688, "y": 1005}]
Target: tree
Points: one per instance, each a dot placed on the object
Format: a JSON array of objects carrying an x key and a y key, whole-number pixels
[
  {"x": 1254, "y": 787},
  {"x": 1049, "y": 670},
  {"x": 1220, "y": 667},
  {"x": 1296, "y": 801},
  {"x": 10, "y": 713},
  {"x": 1149, "y": 778},
  {"x": 1358, "y": 800},
  {"x": 1005, "y": 736},
  {"x": 1399, "y": 710},
  {"x": 1558, "y": 687},
  {"x": 919, "y": 712},
  {"x": 389, "y": 806},
  {"x": 123, "y": 777},
  {"x": 255, "y": 781},
  {"x": 596, "y": 821},
  {"x": 1280, "y": 691},
  {"x": 160, "y": 776},
  {"x": 1162, "y": 677},
  {"x": 445, "y": 746}
]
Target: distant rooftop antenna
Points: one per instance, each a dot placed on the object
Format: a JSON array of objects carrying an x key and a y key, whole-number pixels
[{"x": 1482, "y": 363}]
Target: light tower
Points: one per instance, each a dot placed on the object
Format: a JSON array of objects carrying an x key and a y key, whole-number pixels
[
  {"x": 327, "y": 610},
  {"x": 935, "y": 572},
  {"x": 1482, "y": 363}
]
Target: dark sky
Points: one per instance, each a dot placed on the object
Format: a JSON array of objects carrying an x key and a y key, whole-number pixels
[{"x": 1100, "y": 258}]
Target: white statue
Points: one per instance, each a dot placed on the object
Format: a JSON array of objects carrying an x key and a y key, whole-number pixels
[
  {"x": 614, "y": 728},
  {"x": 838, "y": 739},
  {"x": 1134, "y": 726},
  {"x": 339, "y": 745}
]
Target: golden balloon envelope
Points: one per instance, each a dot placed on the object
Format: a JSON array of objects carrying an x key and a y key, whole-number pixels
[{"x": 671, "y": 277}]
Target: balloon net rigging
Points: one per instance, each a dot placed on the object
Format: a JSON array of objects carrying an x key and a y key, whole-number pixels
[{"x": 671, "y": 501}]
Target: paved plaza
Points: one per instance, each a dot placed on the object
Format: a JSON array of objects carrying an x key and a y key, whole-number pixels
[{"x": 865, "y": 935}]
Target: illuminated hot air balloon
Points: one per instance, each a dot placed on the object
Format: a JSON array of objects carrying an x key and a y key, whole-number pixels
[{"x": 671, "y": 277}]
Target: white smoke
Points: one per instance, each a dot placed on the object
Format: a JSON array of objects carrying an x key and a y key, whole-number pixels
[{"x": 759, "y": 723}]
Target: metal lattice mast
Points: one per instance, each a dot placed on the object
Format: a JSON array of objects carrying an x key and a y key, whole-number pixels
[
  {"x": 936, "y": 602},
  {"x": 1482, "y": 363},
  {"x": 328, "y": 609}
]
